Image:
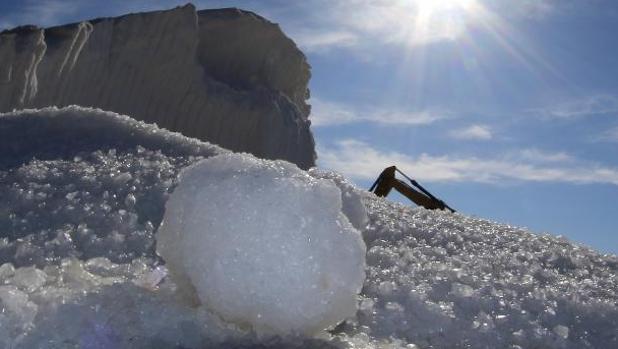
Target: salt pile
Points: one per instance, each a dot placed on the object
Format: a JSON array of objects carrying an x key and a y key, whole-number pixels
[
  {"x": 227, "y": 76},
  {"x": 84, "y": 192}
]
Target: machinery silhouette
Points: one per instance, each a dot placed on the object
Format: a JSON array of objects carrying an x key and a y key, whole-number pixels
[{"x": 387, "y": 181}]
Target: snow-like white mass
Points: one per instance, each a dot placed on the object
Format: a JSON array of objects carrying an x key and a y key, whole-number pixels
[
  {"x": 83, "y": 193},
  {"x": 264, "y": 244}
]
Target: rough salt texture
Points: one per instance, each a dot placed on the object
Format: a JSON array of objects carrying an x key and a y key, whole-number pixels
[
  {"x": 434, "y": 279},
  {"x": 225, "y": 76},
  {"x": 273, "y": 251},
  {"x": 81, "y": 183},
  {"x": 449, "y": 281}
]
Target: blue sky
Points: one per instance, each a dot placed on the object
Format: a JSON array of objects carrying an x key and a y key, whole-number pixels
[{"x": 506, "y": 109}]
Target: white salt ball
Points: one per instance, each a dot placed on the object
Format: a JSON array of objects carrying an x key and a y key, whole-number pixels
[{"x": 263, "y": 244}]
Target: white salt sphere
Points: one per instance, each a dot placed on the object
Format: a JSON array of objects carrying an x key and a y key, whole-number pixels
[{"x": 263, "y": 244}]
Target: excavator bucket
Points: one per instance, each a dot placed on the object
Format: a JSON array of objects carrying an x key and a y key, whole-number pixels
[{"x": 420, "y": 196}]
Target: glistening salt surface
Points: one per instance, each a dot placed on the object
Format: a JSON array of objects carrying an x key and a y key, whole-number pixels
[
  {"x": 263, "y": 244},
  {"x": 83, "y": 192}
]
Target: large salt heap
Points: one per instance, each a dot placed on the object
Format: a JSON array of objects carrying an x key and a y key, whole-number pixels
[
  {"x": 225, "y": 76},
  {"x": 84, "y": 192}
]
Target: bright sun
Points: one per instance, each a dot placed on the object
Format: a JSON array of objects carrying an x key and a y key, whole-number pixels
[
  {"x": 430, "y": 8},
  {"x": 442, "y": 19}
]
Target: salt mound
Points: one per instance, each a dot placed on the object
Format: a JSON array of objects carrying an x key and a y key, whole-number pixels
[
  {"x": 82, "y": 193},
  {"x": 226, "y": 76},
  {"x": 264, "y": 244}
]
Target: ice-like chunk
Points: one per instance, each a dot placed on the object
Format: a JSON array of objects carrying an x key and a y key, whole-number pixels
[
  {"x": 100, "y": 304},
  {"x": 16, "y": 312},
  {"x": 351, "y": 197},
  {"x": 6, "y": 270},
  {"x": 264, "y": 244},
  {"x": 561, "y": 331},
  {"x": 29, "y": 278}
]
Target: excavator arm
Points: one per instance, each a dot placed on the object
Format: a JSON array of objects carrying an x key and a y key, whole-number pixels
[{"x": 387, "y": 181}]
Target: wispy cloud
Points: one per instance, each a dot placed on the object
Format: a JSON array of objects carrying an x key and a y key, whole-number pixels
[
  {"x": 536, "y": 8},
  {"x": 473, "y": 133},
  {"x": 539, "y": 156},
  {"x": 540, "y": 9},
  {"x": 362, "y": 161},
  {"x": 316, "y": 40},
  {"x": 326, "y": 113},
  {"x": 602, "y": 104},
  {"x": 533, "y": 9},
  {"x": 610, "y": 135}
]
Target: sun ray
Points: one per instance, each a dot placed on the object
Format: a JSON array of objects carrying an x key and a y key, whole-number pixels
[{"x": 460, "y": 22}]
